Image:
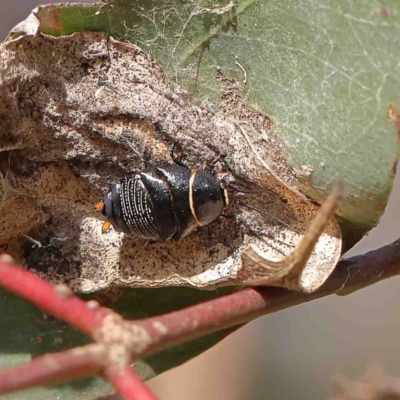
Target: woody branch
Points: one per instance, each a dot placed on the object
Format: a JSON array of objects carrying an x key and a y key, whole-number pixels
[{"x": 130, "y": 340}]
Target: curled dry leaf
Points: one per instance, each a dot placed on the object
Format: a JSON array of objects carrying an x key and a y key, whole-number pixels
[
  {"x": 79, "y": 112},
  {"x": 292, "y": 271}
]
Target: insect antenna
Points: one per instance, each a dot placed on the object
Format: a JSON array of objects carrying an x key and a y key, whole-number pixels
[
  {"x": 241, "y": 203},
  {"x": 272, "y": 193},
  {"x": 239, "y": 190},
  {"x": 236, "y": 189}
]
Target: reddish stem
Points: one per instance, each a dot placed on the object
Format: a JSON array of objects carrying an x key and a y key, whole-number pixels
[
  {"x": 166, "y": 330},
  {"x": 52, "y": 368},
  {"x": 243, "y": 306},
  {"x": 129, "y": 384},
  {"x": 217, "y": 314},
  {"x": 56, "y": 300}
]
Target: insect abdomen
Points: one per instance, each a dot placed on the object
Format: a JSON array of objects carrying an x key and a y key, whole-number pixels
[
  {"x": 160, "y": 195},
  {"x": 164, "y": 203},
  {"x": 137, "y": 208},
  {"x": 178, "y": 181}
]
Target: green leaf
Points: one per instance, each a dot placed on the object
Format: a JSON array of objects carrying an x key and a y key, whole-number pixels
[
  {"x": 27, "y": 332},
  {"x": 324, "y": 72}
]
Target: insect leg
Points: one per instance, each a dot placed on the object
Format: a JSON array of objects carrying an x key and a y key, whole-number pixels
[{"x": 176, "y": 160}]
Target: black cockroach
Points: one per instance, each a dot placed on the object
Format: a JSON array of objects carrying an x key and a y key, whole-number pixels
[
  {"x": 164, "y": 203},
  {"x": 168, "y": 203}
]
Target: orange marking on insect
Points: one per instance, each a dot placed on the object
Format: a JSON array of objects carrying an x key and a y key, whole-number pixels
[
  {"x": 106, "y": 226},
  {"x": 99, "y": 206}
]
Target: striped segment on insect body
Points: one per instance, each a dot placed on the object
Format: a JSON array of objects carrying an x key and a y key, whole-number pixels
[{"x": 164, "y": 203}]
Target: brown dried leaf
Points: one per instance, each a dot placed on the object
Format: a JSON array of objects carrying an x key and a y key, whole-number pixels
[
  {"x": 79, "y": 112},
  {"x": 296, "y": 270}
]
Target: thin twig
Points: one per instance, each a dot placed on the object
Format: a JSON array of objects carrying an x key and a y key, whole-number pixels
[
  {"x": 52, "y": 368},
  {"x": 243, "y": 306},
  {"x": 57, "y": 300},
  {"x": 129, "y": 384},
  {"x": 160, "y": 332},
  {"x": 244, "y": 72}
]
